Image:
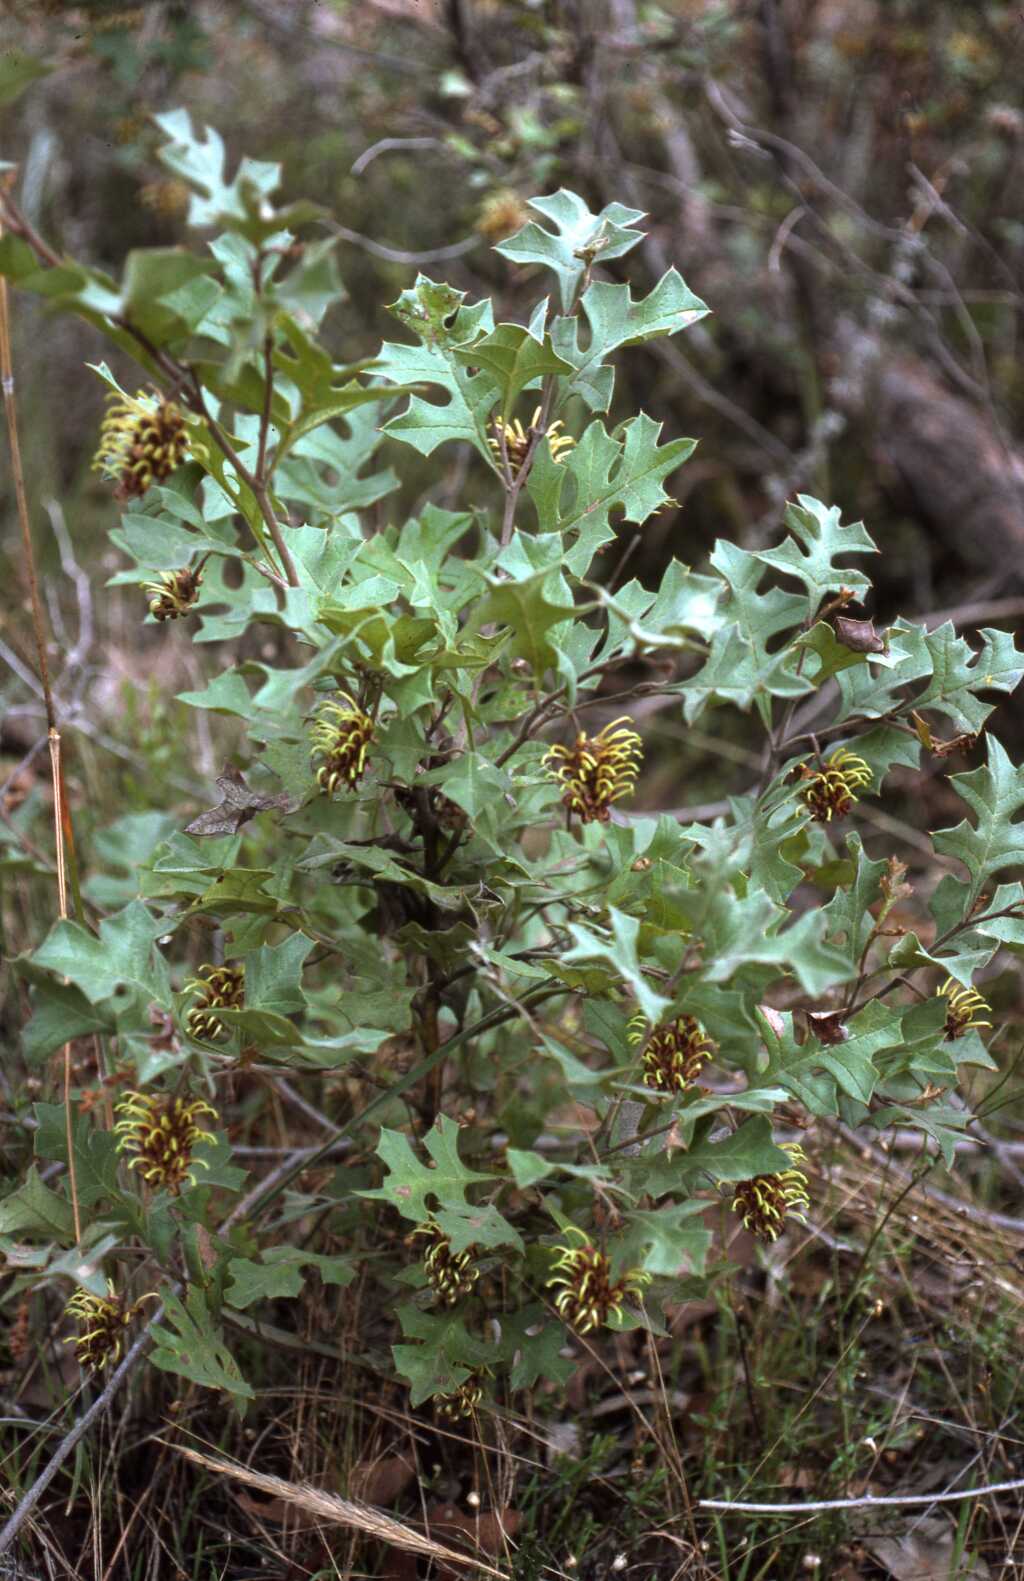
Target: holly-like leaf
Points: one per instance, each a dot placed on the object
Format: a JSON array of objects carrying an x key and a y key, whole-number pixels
[
  {"x": 514, "y": 359},
  {"x": 995, "y": 794},
  {"x": 958, "y": 674},
  {"x": 604, "y": 472},
  {"x": 616, "y": 320},
  {"x": 96, "y": 1156},
  {"x": 619, "y": 949},
  {"x": 121, "y": 956},
  {"x": 193, "y": 1347},
  {"x": 445, "y": 1356},
  {"x": 818, "y": 538},
  {"x": 242, "y": 204},
  {"x": 409, "y": 1183},
  {"x": 579, "y": 239},
  {"x": 445, "y": 326},
  {"x": 738, "y": 1155},
  {"x": 528, "y": 609},
  {"x": 670, "y": 1240},
  {"x": 34, "y": 1209},
  {"x": 280, "y": 1274}
]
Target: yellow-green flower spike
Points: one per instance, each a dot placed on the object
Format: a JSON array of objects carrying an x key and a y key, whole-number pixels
[
  {"x": 341, "y": 735},
  {"x": 965, "y": 1006},
  {"x": 162, "y": 1132},
  {"x": 831, "y": 791},
  {"x": 143, "y": 440},
  {"x": 587, "y": 1294},
  {"x": 766, "y": 1201},
  {"x": 597, "y": 771}
]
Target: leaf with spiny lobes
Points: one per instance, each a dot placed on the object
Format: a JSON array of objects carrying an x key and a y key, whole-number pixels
[
  {"x": 617, "y": 320},
  {"x": 580, "y": 238},
  {"x": 409, "y": 1183},
  {"x": 624, "y": 470},
  {"x": 192, "y": 1346},
  {"x": 529, "y": 609},
  {"x": 242, "y": 204},
  {"x": 514, "y": 358},
  {"x": 995, "y": 793},
  {"x": 817, "y": 539}
]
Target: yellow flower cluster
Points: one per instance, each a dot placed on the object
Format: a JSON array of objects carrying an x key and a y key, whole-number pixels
[
  {"x": 162, "y": 1132},
  {"x": 142, "y": 441},
  {"x": 831, "y": 791},
  {"x": 341, "y": 735},
  {"x": 674, "y": 1054},
  {"x": 597, "y": 770},
  {"x": 587, "y": 1293},
  {"x": 766, "y": 1201},
  {"x": 512, "y": 440},
  {"x": 218, "y": 988},
  {"x": 451, "y": 1275},
  {"x": 103, "y": 1323}
]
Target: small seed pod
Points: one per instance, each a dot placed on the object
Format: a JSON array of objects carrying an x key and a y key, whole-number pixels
[
  {"x": 217, "y": 988},
  {"x": 588, "y": 1294},
  {"x": 597, "y": 770},
  {"x": 766, "y": 1201}
]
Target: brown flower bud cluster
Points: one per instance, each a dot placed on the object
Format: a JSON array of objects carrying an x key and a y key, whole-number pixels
[
  {"x": 765, "y": 1201},
  {"x": 451, "y": 1275},
  {"x": 674, "y": 1054}
]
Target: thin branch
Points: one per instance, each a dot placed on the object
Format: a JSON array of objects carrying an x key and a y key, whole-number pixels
[
  {"x": 867, "y": 1502},
  {"x": 72, "y": 1439},
  {"x": 400, "y": 255}
]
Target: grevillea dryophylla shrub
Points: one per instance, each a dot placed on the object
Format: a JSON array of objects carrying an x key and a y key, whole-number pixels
[{"x": 432, "y": 880}]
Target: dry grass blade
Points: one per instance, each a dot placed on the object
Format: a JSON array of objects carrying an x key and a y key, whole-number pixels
[{"x": 329, "y": 1507}]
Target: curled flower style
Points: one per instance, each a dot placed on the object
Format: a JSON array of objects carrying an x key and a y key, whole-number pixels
[
  {"x": 341, "y": 735},
  {"x": 587, "y": 1293},
  {"x": 674, "y": 1054},
  {"x": 462, "y": 1402},
  {"x": 142, "y": 441},
  {"x": 964, "y": 1005},
  {"x": 831, "y": 791},
  {"x": 517, "y": 439},
  {"x": 218, "y": 988},
  {"x": 597, "y": 770},
  {"x": 163, "y": 1133},
  {"x": 766, "y": 1201},
  {"x": 174, "y": 594},
  {"x": 451, "y": 1275},
  {"x": 103, "y": 1323}
]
